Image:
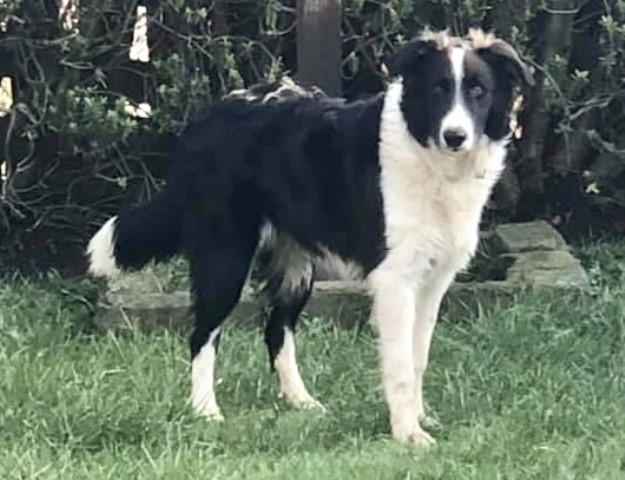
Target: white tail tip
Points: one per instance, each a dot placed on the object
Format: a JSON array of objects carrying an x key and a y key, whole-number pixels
[{"x": 101, "y": 251}]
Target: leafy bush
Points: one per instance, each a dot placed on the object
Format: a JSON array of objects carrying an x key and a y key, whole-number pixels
[{"x": 73, "y": 155}]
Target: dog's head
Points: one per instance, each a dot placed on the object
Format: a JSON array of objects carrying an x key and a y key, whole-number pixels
[{"x": 458, "y": 92}]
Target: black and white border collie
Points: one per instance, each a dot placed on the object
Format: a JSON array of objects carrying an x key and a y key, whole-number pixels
[{"x": 392, "y": 187}]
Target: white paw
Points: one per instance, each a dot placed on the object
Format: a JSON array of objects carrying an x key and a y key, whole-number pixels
[
  {"x": 207, "y": 408},
  {"x": 411, "y": 432},
  {"x": 302, "y": 401},
  {"x": 213, "y": 416},
  {"x": 429, "y": 422},
  {"x": 421, "y": 438}
]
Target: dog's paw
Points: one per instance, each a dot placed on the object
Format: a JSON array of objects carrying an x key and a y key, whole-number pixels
[
  {"x": 207, "y": 408},
  {"x": 303, "y": 401},
  {"x": 310, "y": 404},
  {"x": 412, "y": 433},
  {"x": 214, "y": 417},
  {"x": 421, "y": 438},
  {"x": 429, "y": 422},
  {"x": 210, "y": 414}
]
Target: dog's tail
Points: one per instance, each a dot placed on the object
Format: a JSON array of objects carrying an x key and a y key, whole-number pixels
[{"x": 128, "y": 241}]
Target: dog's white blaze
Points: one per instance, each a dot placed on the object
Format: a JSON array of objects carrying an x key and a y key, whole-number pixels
[
  {"x": 101, "y": 251},
  {"x": 458, "y": 117},
  {"x": 291, "y": 384},
  {"x": 203, "y": 399}
]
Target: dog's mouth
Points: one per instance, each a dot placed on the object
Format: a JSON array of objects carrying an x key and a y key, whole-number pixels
[
  {"x": 452, "y": 151},
  {"x": 455, "y": 149}
]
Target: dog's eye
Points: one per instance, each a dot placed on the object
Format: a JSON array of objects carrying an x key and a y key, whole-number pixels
[
  {"x": 441, "y": 87},
  {"x": 477, "y": 91}
]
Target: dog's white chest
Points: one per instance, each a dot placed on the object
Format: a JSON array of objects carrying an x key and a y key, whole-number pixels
[
  {"x": 431, "y": 216},
  {"x": 432, "y": 201}
]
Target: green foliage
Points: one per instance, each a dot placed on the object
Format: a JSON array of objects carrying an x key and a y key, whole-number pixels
[
  {"x": 74, "y": 155},
  {"x": 92, "y": 123}
]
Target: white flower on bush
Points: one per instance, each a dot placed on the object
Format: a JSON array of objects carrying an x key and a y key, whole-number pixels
[{"x": 139, "y": 50}]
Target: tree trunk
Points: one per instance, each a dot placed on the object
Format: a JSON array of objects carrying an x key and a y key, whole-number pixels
[
  {"x": 319, "y": 44},
  {"x": 220, "y": 19},
  {"x": 552, "y": 37},
  {"x": 572, "y": 150}
]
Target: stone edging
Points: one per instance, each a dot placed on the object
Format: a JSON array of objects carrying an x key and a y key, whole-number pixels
[{"x": 533, "y": 255}]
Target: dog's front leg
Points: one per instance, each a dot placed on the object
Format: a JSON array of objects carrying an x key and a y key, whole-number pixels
[
  {"x": 429, "y": 296},
  {"x": 393, "y": 314}
]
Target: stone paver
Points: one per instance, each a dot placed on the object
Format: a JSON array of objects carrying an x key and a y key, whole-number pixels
[{"x": 535, "y": 255}]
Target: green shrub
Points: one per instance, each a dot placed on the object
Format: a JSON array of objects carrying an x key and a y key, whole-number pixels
[{"x": 73, "y": 156}]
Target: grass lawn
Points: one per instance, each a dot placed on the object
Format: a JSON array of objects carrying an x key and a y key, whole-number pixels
[{"x": 532, "y": 390}]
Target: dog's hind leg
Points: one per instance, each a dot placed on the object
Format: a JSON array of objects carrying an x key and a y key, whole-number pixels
[
  {"x": 218, "y": 265},
  {"x": 288, "y": 272}
]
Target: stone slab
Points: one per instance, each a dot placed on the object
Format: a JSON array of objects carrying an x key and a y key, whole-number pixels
[
  {"x": 524, "y": 237},
  {"x": 545, "y": 268},
  {"x": 520, "y": 255},
  {"x": 344, "y": 302}
]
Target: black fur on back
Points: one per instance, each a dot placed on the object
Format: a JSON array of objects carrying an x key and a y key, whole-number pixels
[{"x": 273, "y": 153}]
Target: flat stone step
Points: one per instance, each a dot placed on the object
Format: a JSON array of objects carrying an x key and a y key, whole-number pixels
[
  {"x": 540, "y": 259},
  {"x": 529, "y": 236},
  {"x": 346, "y": 303}
]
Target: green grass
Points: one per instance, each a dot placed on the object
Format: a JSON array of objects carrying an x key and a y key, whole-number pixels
[{"x": 532, "y": 390}]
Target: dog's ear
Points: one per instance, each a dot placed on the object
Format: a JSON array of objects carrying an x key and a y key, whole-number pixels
[
  {"x": 407, "y": 57},
  {"x": 503, "y": 55}
]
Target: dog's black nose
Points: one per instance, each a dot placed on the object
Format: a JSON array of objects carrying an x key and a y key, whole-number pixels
[{"x": 454, "y": 137}]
